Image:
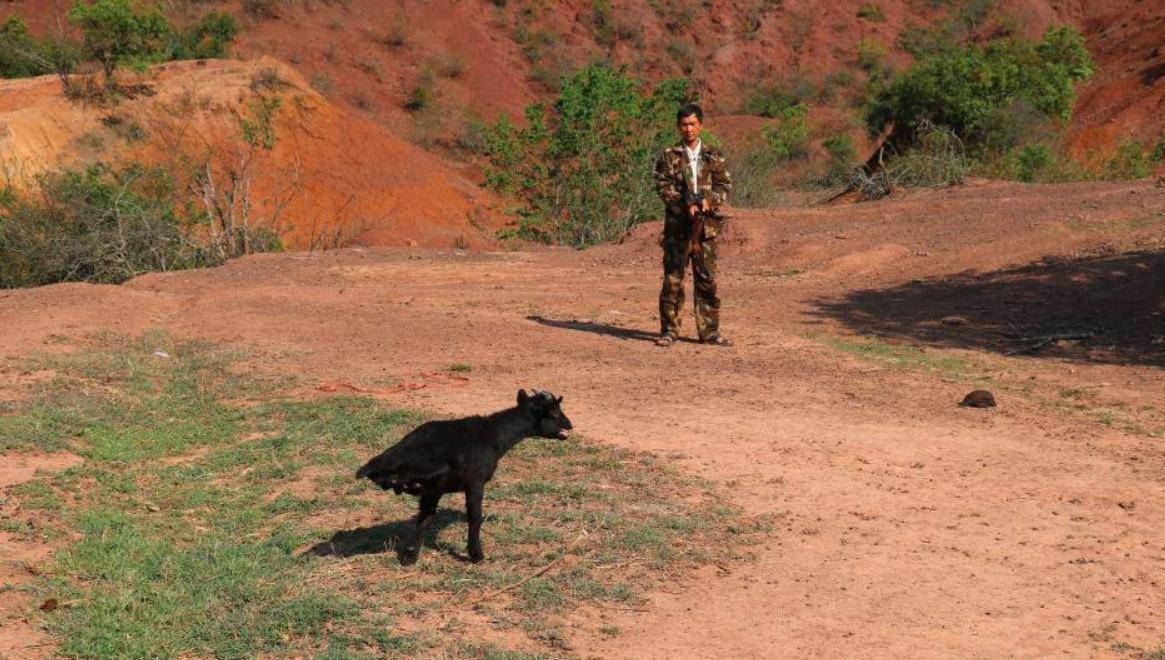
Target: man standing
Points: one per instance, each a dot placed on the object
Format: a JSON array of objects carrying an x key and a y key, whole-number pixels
[{"x": 693, "y": 182}]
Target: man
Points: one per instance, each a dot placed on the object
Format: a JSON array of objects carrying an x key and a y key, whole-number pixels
[{"x": 693, "y": 182}]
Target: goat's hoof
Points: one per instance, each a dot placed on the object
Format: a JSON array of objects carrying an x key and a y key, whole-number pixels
[
  {"x": 476, "y": 556},
  {"x": 408, "y": 557}
]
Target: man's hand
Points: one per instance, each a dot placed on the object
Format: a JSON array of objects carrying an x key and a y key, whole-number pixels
[
  {"x": 693, "y": 210},
  {"x": 705, "y": 205}
]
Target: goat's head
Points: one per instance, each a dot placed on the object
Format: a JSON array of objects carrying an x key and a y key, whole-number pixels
[{"x": 546, "y": 408}]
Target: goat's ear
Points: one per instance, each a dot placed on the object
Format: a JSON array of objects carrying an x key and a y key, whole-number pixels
[
  {"x": 558, "y": 400},
  {"x": 523, "y": 398}
]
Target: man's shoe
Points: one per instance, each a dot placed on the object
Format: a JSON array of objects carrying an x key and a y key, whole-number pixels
[
  {"x": 665, "y": 340},
  {"x": 716, "y": 339}
]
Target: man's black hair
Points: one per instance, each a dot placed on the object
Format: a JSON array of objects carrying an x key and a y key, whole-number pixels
[{"x": 689, "y": 109}]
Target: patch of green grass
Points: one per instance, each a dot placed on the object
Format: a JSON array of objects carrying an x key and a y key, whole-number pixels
[
  {"x": 896, "y": 355},
  {"x": 460, "y": 368},
  {"x": 183, "y": 532}
]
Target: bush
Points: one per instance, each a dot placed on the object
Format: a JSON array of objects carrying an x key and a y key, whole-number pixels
[
  {"x": 424, "y": 92},
  {"x": 1032, "y": 161},
  {"x": 937, "y": 159},
  {"x": 963, "y": 87},
  {"x": 774, "y": 99},
  {"x": 757, "y": 164},
  {"x": 871, "y": 52},
  {"x": 842, "y": 159},
  {"x": 449, "y": 65},
  {"x": 22, "y": 56},
  {"x": 1129, "y": 163},
  {"x": 582, "y": 165},
  {"x": 114, "y": 33},
  {"x": 210, "y": 38},
  {"x": 871, "y": 12},
  {"x": 93, "y": 225},
  {"x": 1158, "y": 154}
]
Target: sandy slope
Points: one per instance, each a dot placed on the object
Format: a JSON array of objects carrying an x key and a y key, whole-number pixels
[{"x": 904, "y": 525}]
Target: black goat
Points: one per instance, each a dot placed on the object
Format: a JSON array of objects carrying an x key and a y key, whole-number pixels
[{"x": 460, "y": 456}]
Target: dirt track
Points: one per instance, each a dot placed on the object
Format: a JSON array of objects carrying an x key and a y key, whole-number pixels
[{"x": 906, "y": 526}]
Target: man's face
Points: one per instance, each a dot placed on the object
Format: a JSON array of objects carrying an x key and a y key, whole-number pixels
[{"x": 690, "y": 128}]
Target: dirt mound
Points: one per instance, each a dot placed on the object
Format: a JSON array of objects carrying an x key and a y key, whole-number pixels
[{"x": 353, "y": 180}]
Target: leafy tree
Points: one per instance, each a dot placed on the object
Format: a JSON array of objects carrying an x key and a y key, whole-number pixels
[
  {"x": 115, "y": 32},
  {"x": 961, "y": 87},
  {"x": 211, "y": 37},
  {"x": 19, "y": 51},
  {"x": 582, "y": 164},
  {"x": 22, "y": 55}
]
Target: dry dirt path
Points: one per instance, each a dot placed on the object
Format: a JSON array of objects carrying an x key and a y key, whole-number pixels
[{"x": 905, "y": 525}]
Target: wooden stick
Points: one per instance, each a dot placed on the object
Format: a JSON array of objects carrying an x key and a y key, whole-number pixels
[{"x": 1044, "y": 341}]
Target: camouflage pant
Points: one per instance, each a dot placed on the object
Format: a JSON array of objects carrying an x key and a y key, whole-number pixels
[{"x": 678, "y": 250}]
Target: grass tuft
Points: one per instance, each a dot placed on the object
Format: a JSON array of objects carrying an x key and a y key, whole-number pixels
[{"x": 214, "y": 516}]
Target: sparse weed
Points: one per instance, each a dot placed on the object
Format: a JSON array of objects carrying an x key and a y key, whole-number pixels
[{"x": 211, "y": 510}]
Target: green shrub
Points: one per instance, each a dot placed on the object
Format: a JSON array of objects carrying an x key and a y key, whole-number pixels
[
  {"x": 22, "y": 56},
  {"x": 1129, "y": 163},
  {"x": 938, "y": 158},
  {"x": 449, "y": 65},
  {"x": 871, "y": 12},
  {"x": 787, "y": 138},
  {"x": 1031, "y": 161},
  {"x": 582, "y": 164},
  {"x": 1158, "y": 154},
  {"x": 211, "y": 37},
  {"x": 757, "y": 164},
  {"x": 871, "y": 52},
  {"x": 115, "y": 32},
  {"x": 15, "y": 42},
  {"x": 96, "y": 225},
  {"x": 963, "y": 87},
  {"x": 774, "y": 99},
  {"x": 842, "y": 159},
  {"x": 424, "y": 92}
]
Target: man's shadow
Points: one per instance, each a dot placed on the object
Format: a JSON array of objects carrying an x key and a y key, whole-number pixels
[
  {"x": 388, "y": 537},
  {"x": 601, "y": 329}
]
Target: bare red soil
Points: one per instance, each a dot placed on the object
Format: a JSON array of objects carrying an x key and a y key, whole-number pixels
[
  {"x": 905, "y": 525},
  {"x": 368, "y": 56},
  {"x": 347, "y": 178}
]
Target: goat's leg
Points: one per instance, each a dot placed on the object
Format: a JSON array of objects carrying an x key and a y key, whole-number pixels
[
  {"x": 427, "y": 511},
  {"x": 473, "y": 497}
]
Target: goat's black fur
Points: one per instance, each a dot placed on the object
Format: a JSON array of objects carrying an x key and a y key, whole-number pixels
[{"x": 460, "y": 456}]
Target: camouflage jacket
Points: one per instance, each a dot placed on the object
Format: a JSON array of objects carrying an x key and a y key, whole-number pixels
[{"x": 673, "y": 177}]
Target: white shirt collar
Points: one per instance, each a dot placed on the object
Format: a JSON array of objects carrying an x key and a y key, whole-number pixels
[{"x": 694, "y": 159}]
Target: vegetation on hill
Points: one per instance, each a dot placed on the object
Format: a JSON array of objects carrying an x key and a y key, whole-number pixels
[
  {"x": 581, "y": 165},
  {"x": 112, "y": 33},
  {"x": 107, "y": 223}
]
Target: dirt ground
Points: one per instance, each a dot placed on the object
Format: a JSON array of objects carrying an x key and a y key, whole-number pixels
[{"x": 906, "y": 525}]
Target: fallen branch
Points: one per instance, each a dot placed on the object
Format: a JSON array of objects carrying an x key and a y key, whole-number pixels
[{"x": 1041, "y": 342}]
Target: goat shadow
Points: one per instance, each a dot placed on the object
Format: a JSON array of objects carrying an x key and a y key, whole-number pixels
[
  {"x": 602, "y": 329},
  {"x": 388, "y": 537}
]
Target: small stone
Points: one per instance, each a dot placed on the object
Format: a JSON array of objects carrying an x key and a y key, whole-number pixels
[
  {"x": 953, "y": 320},
  {"x": 979, "y": 399}
]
